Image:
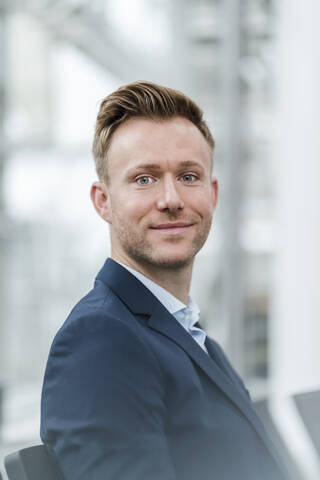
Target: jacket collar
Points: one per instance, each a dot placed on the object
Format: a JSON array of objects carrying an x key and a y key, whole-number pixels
[
  {"x": 140, "y": 300},
  {"x": 126, "y": 286}
]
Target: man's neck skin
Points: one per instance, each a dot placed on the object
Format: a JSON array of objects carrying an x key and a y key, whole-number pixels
[{"x": 175, "y": 280}]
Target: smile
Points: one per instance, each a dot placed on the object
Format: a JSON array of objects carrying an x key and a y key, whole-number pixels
[{"x": 172, "y": 228}]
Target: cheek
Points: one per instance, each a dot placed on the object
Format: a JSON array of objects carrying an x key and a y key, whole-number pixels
[
  {"x": 131, "y": 208},
  {"x": 202, "y": 202}
]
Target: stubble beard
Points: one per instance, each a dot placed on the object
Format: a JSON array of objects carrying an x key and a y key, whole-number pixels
[{"x": 143, "y": 252}]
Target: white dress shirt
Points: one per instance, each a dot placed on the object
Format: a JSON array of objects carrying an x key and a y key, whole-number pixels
[{"x": 187, "y": 315}]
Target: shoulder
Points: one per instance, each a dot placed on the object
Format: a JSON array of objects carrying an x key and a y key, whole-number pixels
[
  {"x": 100, "y": 326},
  {"x": 100, "y": 309},
  {"x": 101, "y": 299},
  {"x": 99, "y": 363}
]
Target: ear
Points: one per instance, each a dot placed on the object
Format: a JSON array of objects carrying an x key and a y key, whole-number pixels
[
  {"x": 215, "y": 189},
  {"x": 101, "y": 200}
]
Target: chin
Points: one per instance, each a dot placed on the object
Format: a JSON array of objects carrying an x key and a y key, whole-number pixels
[
  {"x": 172, "y": 261},
  {"x": 167, "y": 258}
]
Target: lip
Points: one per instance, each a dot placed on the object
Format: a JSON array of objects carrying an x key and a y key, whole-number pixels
[
  {"x": 176, "y": 227},
  {"x": 171, "y": 225}
]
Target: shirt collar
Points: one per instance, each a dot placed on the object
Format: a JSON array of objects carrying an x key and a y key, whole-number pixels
[
  {"x": 189, "y": 315},
  {"x": 169, "y": 301}
]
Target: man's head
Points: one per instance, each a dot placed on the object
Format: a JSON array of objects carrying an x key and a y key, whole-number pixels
[
  {"x": 157, "y": 192},
  {"x": 146, "y": 100}
]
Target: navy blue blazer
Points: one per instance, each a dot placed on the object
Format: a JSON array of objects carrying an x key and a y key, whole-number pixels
[{"x": 129, "y": 395}]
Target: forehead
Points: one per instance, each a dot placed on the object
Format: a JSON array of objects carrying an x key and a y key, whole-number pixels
[{"x": 141, "y": 139}]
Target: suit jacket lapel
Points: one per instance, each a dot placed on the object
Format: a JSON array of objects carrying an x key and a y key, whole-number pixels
[
  {"x": 141, "y": 301},
  {"x": 215, "y": 352},
  {"x": 164, "y": 323}
]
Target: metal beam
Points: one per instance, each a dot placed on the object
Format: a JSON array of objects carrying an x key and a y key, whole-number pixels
[
  {"x": 91, "y": 33},
  {"x": 232, "y": 188},
  {"x": 2, "y": 99}
]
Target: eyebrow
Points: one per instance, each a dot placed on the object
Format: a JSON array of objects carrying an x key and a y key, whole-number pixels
[
  {"x": 155, "y": 167},
  {"x": 145, "y": 166},
  {"x": 190, "y": 163}
]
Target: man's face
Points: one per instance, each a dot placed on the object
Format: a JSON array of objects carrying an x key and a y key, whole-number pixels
[{"x": 160, "y": 197}]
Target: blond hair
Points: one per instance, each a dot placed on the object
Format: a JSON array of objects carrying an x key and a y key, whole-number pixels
[{"x": 146, "y": 100}]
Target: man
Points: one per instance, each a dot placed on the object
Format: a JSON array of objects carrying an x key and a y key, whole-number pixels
[{"x": 134, "y": 390}]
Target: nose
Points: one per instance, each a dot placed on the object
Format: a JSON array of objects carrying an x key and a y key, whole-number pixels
[{"x": 169, "y": 198}]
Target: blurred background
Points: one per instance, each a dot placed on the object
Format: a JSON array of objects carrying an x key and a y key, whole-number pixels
[{"x": 254, "y": 68}]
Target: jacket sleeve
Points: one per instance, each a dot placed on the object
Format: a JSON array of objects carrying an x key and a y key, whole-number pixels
[{"x": 103, "y": 408}]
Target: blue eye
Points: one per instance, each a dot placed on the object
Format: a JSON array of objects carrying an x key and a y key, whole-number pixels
[
  {"x": 189, "y": 178},
  {"x": 144, "y": 180}
]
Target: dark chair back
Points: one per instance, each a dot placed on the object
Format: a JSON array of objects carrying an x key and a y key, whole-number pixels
[
  {"x": 308, "y": 405},
  {"x": 33, "y": 463}
]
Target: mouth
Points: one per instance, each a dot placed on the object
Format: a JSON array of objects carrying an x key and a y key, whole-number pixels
[{"x": 172, "y": 228}]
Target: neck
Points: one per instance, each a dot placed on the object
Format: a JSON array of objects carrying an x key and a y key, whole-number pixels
[{"x": 175, "y": 280}]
